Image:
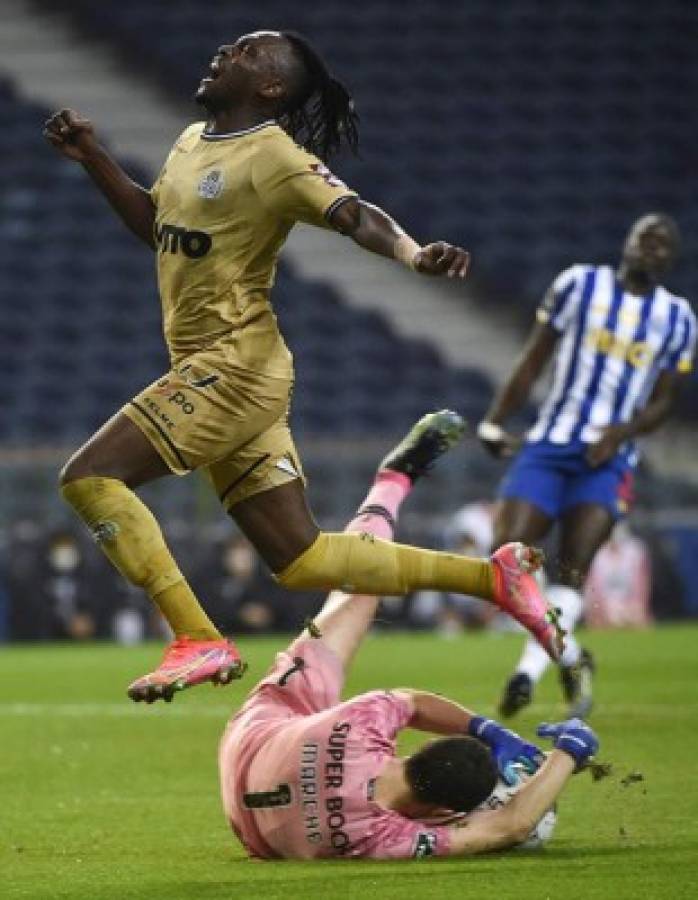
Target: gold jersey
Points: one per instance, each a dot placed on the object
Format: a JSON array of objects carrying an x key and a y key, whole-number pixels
[{"x": 224, "y": 207}]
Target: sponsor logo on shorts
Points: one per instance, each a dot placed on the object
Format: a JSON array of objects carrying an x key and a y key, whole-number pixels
[
  {"x": 159, "y": 414},
  {"x": 179, "y": 398},
  {"x": 171, "y": 394},
  {"x": 425, "y": 846}
]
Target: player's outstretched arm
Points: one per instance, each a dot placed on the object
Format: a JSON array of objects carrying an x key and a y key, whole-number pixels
[
  {"x": 516, "y": 390},
  {"x": 373, "y": 229},
  {"x": 438, "y": 715},
  {"x": 511, "y": 824},
  {"x": 74, "y": 137}
]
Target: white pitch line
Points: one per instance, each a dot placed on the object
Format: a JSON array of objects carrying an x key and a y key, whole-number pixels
[
  {"x": 132, "y": 710},
  {"x": 117, "y": 710}
]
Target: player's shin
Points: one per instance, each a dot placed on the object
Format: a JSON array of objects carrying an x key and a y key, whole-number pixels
[
  {"x": 362, "y": 563},
  {"x": 131, "y": 538},
  {"x": 378, "y": 513}
]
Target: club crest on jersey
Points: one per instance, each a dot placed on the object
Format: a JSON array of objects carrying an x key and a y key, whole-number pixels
[
  {"x": 326, "y": 175},
  {"x": 425, "y": 846},
  {"x": 211, "y": 185}
]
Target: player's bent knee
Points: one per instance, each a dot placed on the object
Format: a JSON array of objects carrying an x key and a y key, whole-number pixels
[
  {"x": 325, "y": 565},
  {"x": 306, "y": 571},
  {"x": 74, "y": 469}
]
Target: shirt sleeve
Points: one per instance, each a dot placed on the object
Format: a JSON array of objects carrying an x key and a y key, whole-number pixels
[
  {"x": 682, "y": 346},
  {"x": 392, "y": 836},
  {"x": 296, "y": 186},
  {"x": 379, "y": 716},
  {"x": 561, "y": 300}
]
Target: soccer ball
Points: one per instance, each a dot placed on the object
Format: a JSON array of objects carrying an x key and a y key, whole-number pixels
[{"x": 542, "y": 832}]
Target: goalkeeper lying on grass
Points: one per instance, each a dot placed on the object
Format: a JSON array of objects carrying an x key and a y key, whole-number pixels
[{"x": 305, "y": 776}]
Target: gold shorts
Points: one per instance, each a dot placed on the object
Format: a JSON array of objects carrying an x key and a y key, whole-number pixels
[{"x": 231, "y": 423}]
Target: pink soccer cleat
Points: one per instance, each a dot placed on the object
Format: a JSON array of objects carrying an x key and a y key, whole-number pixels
[
  {"x": 517, "y": 593},
  {"x": 185, "y": 664}
]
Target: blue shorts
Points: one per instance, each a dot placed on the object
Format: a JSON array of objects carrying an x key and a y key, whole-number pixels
[{"x": 556, "y": 477}]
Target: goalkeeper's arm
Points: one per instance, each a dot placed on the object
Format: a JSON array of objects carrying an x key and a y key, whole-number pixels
[{"x": 511, "y": 824}]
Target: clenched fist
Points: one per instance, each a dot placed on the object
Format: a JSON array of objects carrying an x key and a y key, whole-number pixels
[
  {"x": 441, "y": 258},
  {"x": 71, "y": 135}
]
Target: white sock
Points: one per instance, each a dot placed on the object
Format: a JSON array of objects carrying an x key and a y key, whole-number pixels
[
  {"x": 570, "y": 603},
  {"x": 534, "y": 660}
]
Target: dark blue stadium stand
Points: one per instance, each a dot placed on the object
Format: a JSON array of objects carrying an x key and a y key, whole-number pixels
[
  {"x": 531, "y": 132},
  {"x": 81, "y": 331}
]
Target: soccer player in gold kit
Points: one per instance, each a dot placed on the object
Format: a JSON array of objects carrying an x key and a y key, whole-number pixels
[{"x": 217, "y": 216}]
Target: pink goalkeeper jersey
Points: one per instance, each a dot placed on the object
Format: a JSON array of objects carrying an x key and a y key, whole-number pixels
[{"x": 301, "y": 786}]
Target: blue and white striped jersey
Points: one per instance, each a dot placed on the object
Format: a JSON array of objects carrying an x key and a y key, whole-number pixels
[{"x": 614, "y": 347}]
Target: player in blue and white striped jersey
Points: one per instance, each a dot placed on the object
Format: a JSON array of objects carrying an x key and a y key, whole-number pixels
[{"x": 621, "y": 342}]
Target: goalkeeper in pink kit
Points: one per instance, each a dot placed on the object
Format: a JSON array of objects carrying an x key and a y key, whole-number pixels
[{"x": 306, "y": 776}]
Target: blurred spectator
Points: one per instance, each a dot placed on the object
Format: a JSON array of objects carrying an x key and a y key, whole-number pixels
[
  {"x": 4, "y": 614},
  {"x": 55, "y": 594},
  {"x": 468, "y": 532},
  {"x": 241, "y": 596},
  {"x": 617, "y": 590},
  {"x": 674, "y": 551}
]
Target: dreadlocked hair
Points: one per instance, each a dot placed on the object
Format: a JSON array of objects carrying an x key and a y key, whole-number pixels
[{"x": 319, "y": 112}]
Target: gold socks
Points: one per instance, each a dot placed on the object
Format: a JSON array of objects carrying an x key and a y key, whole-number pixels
[
  {"x": 364, "y": 564},
  {"x": 130, "y": 536}
]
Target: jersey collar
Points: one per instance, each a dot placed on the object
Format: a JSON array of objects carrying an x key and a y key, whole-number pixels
[{"x": 235, "y": 134}]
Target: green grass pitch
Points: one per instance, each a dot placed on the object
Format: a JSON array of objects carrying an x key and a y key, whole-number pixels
[{"x": 105, "y": 799}]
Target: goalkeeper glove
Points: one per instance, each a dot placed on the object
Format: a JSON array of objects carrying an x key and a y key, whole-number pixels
[
  {"x": 507, "y": 748},
  {"x": 574, "y": 737}
]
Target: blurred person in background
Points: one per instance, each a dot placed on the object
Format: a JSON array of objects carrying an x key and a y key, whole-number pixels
[
  {"x": 4, "y": 613},
  {"x": 621, "y": 343},
  {"x": 56, "y": 593},
  {"x": 619, "y": 585},
  {"x": 244, "y": 598},
  {"x": 469, "y": 531}
]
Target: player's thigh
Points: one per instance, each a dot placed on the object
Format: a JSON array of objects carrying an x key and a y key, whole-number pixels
[
  {"x": 583, "y": 529},
  {"x": 519, "y": 520},
  {"x": 205, "y": 411},
  {"x": 118, "y": 450},
  {"x": 530, "y": 495},
  {"x": 262, "y": 486}
]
